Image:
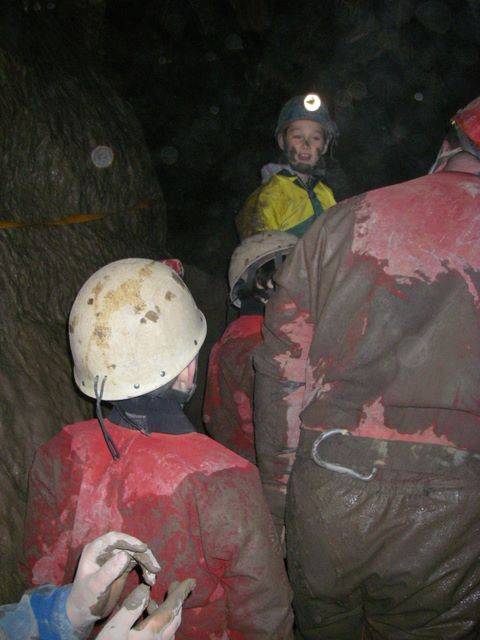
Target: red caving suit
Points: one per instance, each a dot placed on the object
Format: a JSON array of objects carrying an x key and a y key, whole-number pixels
[
  {"x": 374, "y": 329},
  {"x": 228, "y": 409},
  {"x": 197, "y": 505}
]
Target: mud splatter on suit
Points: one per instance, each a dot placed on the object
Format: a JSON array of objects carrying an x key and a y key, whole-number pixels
[
  {"x": 375, "y": 329},
  {"x": 197, "y": 505}
]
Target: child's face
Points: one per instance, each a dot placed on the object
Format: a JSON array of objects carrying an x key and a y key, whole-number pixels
[{"x": 303, "y": 142}]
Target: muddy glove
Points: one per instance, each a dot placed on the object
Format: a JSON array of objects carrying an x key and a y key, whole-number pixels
[
  {"x": 102, "y": 571},
  {"x": 162, "y": 622}
]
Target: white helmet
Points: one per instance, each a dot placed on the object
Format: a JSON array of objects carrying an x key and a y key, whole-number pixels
[
  {"x": 254, "y": 252},
  {"x": 134, "y": 326}
]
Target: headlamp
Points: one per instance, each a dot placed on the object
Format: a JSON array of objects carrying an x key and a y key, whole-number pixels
[{"x": 312, "y": 102}]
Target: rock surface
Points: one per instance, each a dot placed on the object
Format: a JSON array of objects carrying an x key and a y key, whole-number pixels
[{"x": 49, "y": 127}]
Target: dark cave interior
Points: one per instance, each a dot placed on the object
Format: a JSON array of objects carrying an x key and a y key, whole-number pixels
[{"x": 206, "y": 81}]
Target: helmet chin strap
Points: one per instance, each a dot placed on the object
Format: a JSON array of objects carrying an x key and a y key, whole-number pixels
[
  {"x": 447, "y": 151},
  {"x": 443, "y": 157},
  {"x": 98, "y": 397}
]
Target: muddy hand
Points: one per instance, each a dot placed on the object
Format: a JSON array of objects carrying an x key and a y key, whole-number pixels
[
  {"x": 103, "y": 569},
  {"x": 161, "y": 625},
  {"x": 164, "y": 620}
]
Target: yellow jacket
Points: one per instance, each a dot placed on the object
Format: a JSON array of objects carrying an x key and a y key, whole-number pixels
[{"x": 284, "y": 203}]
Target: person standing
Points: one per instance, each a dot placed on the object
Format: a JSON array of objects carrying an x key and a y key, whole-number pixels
[
  {"x": 368, "y": 407},
  {"x": 293, "y": 193},
  {"x": 228, "y": 403},
  {"x": 135, "y": 333}
]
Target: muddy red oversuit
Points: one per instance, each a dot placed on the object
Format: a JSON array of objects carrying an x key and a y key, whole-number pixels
[
  {"x": 228, "y": 405},
  {"x": 197, "y": 505},
  {"x": 375, "y": 329}
]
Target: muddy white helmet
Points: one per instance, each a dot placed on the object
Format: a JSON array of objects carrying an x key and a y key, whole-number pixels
[
  {"x": 254, "y": 252},
  {"x": 133, "y": 327}
]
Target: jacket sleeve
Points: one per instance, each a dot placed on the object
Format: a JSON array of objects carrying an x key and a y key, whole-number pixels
[
  {"x": 242, "y": 550},
  {"x": 258, "y": 213},
  {"x": 281, "y": 370},
  {"x": 41, "y": 613},
  {"x": 50, "y": 515}
]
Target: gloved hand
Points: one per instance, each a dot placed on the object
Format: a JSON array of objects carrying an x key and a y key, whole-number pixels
[
  {"x": 102, "y": 571},
  {"x": 162, "y": 622}
]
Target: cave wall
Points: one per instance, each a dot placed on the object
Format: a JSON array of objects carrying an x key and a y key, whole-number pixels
[{"x": 66, "y": 210}]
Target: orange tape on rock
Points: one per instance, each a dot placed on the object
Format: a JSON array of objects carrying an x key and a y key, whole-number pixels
[{"x": 77, "y": 218}]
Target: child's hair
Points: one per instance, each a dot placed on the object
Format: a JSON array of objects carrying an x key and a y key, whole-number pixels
[{"x": 257, "y": 286}]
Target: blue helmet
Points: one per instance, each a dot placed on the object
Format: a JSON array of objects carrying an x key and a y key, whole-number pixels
[{"x": 307, "y": 107}]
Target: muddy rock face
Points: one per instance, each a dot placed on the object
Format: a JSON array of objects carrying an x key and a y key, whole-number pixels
[{"x": 77, "y": 191}]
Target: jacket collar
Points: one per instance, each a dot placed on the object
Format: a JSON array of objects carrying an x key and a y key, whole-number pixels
[{"x": 162, "y": 415}]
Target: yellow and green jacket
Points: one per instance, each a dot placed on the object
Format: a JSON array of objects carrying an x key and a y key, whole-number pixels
[{"x": 284, "y": 203}]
